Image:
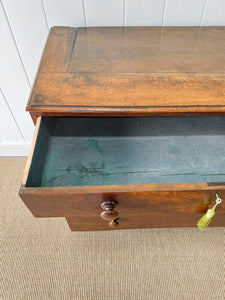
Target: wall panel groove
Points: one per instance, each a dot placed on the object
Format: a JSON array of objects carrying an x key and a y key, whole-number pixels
[
  {"x": 65, "y": 13},
  {"x": 28, "y": 25},
  {"x": 214, "y": 14},
  {"x": 10, "y": 115},
  {"x": 46, "y": 20},
  {"x": 13, "y": 81},
  {"x": 203, "y": 12},
  {"x": 14, "y": 40},
  {"x": 164, "y": 12},
  {"x": 85, "y": 18},
  {"x": 183, "y": 13}
]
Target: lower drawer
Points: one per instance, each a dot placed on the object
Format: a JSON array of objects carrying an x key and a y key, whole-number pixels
[{"x": 157, "y": 171}]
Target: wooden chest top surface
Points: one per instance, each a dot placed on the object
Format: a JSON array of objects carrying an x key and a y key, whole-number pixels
[{"x": 131, "y": 71}]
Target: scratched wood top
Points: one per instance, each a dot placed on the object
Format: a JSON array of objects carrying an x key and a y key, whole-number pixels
[{"x": 131, "y": 71}]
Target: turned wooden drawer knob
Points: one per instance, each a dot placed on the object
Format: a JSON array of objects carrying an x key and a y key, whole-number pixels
[
  {"x": 109, "y": 214},
  {"x": 109, "y": 205},
  {"x": 114, "y": 223}
]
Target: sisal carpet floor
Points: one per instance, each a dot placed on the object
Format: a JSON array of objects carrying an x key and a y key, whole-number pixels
[{"x": 43, "y": 259}]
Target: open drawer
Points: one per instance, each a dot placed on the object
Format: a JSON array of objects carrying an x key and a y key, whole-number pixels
[{"x": 159, "y": 171}]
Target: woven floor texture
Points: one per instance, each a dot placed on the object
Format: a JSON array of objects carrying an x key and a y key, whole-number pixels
[{"x": 43, "y": 259}]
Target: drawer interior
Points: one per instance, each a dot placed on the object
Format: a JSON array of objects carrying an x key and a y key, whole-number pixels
[{"x": 89, "y": 151}]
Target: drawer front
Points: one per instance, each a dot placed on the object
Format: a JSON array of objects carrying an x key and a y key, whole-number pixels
[
  {"x": 142, "y": 209},
  {"x": 86, "y": 155}
]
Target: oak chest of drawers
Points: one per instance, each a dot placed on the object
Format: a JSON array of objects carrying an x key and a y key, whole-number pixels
[{"x": 130, "y": 127}]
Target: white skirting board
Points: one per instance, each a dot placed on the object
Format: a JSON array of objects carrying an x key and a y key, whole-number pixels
[{"x": 14, "y": 149}]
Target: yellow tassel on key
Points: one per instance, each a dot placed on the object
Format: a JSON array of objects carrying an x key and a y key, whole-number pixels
[{"x": 206, "y": 219}]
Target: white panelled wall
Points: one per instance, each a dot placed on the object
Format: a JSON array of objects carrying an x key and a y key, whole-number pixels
[{"x": 24, "y": 27}]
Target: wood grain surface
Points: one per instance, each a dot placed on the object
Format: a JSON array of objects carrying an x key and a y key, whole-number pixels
[
  {"x": 140, "y": 206},
  {"x": 131, "y": 71},
  {"x": 58, "y": 49},
  {"x": 148, "y": 50}
]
